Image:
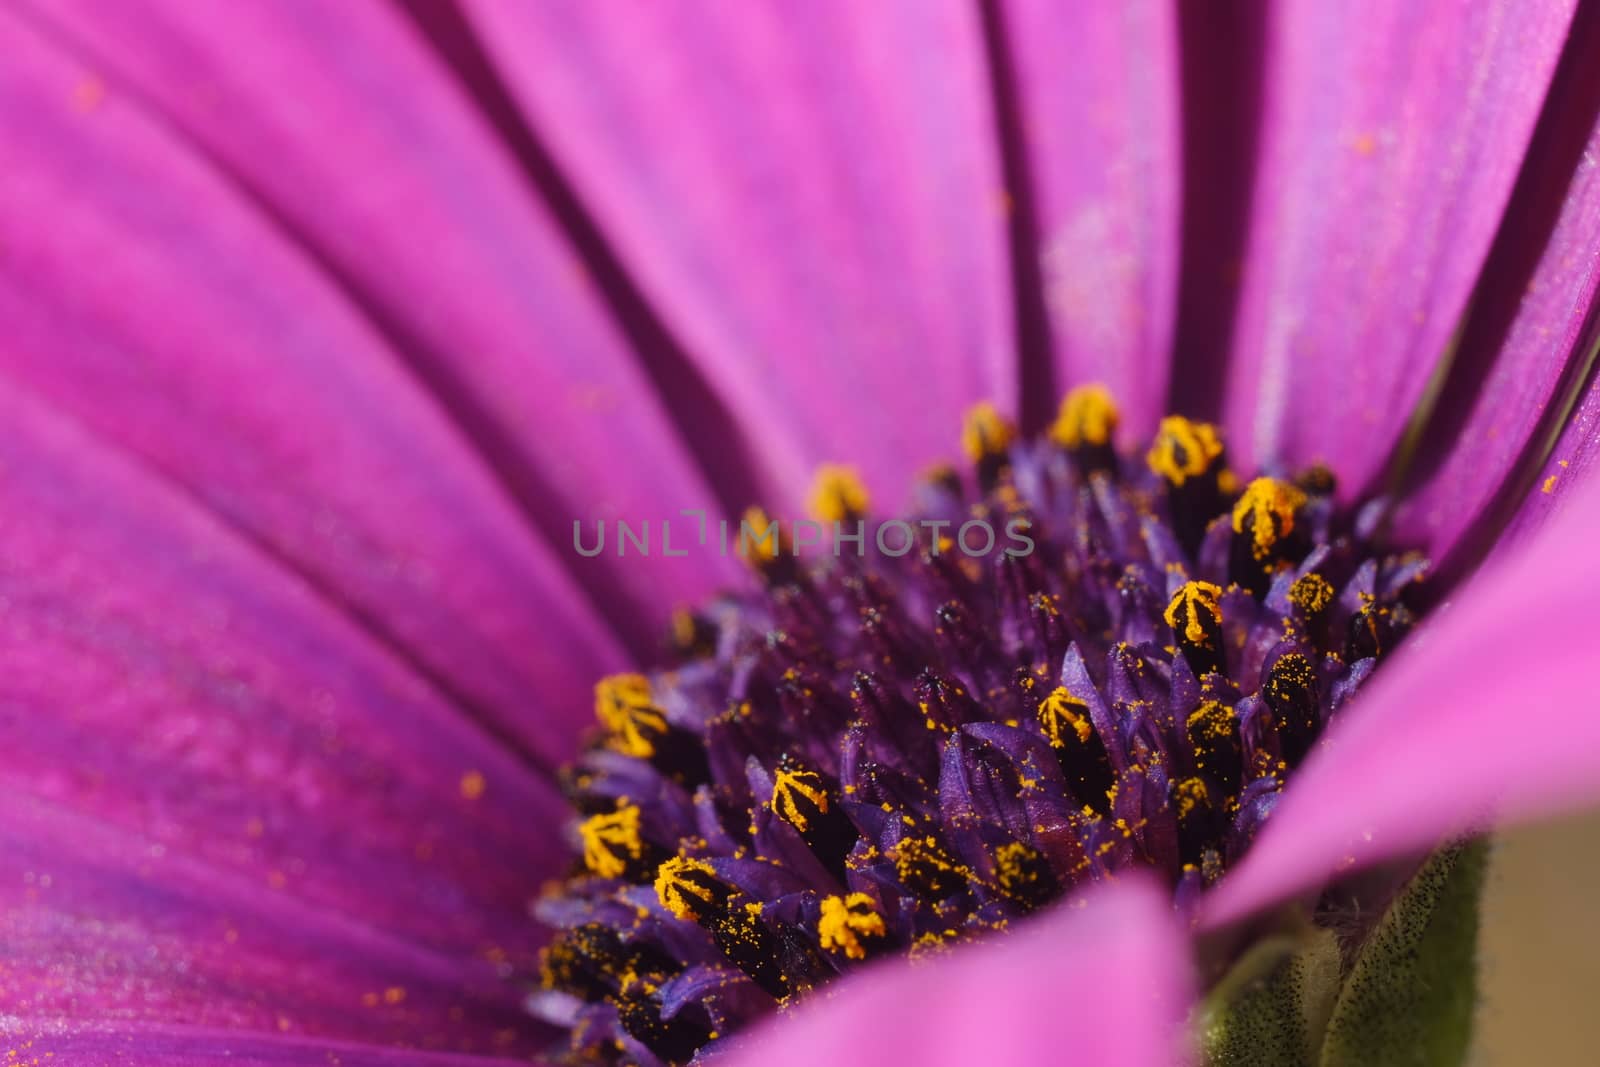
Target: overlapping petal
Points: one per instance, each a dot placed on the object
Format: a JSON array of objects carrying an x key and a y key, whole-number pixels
[
  {"x": 1489, "y": 711},
  {"x": 146, "y": 298},
  {"x": 1391, "y": 137},
  {"x": 378, "y": 165},
  {"x": 809, "y": 194},
  {"x": 1097, "y": 89},
  {"x": 1570, "y": 465},
  {"x": 179, "y": 1046},
  {"x": 1532, "y": 325},
  {"x": 1106, "y": 981},
  {"x": 166, "y": 679},
  {"x": 106, "y": 928}
]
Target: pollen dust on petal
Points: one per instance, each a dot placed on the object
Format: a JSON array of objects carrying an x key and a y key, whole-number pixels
[
  {"x": 88, "y": 94},
  {"x": 473, "y": 784}
]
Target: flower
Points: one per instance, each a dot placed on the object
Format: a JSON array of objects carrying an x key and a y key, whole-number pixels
[
  {"x": 325, "y": 321},
  {"x": 895, "y": 752}
]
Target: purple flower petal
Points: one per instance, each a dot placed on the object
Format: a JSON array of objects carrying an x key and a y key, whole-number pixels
[
  {"x": 1105, "y": 982},
  {"x": 1487, "y": 712},
  {"x": 1098, "y": 89},
  {"x": 146, "y": 300},
  {"x": 811, "y": 196},
  {"x": 1569, "y": 465},
  {"x": 104, "y": 928},
  {"x": 167, "y": 679},
  {"x": 1531, "y": 320},
  {"x": 168, "y": 1046},
  {"x": 381, "y": 170},
  {"x": 1391, "y": 137}
]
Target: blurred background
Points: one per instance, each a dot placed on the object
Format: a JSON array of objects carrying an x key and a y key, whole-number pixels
[{"x": 1539, "y": 950}]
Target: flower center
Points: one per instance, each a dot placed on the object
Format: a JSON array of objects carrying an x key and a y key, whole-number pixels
[{"x": 890, "y": 751}]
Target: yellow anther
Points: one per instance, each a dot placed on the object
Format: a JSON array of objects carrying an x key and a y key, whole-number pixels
[
  {"x": 760, "y": 538},
  {"x": 1311, "y": 593},
  {"x": 611, "y": 839},
  {"x": 837, "y": 494},
  {"x": 685, "y": 887},
  {"x": 1088, "y": 416},
  {"x": 1017, "y": 867},
  {"x": 1189, "y": 793},
  {"x": 845, "y": 921},
  {"x": 924, "y": 863},
  {"x": 985, "y": 432},
  {"x": 1270, "y": 505},
  {"x": 1210, "y": 724},
  {"x": 1063, "y": 715},
  {"x": 1192, "y": 607},
  {"x": 1183, "y": 449},
  {"x": 623, "y": 705},
  {"x": 1292, "y": 685},
  {"x": 789, "y": 786},
  {"x": 932, "y": 943},
  {"x": 683, "y": 627}
]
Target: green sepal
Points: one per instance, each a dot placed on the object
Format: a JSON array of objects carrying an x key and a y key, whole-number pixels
[
  {"x": 1272, "y": 1006},
  {"x": 1411, "y": 991}
]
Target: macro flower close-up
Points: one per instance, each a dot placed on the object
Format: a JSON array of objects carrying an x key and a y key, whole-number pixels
[{"x": 796, "y": 531}]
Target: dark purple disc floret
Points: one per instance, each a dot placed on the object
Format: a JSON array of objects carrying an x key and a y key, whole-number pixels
[{"x": 879, "y": 755}]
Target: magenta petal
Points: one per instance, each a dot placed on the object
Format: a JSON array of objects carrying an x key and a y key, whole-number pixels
[
  {"x": 103, "y": 928},
  {"x": 808, "y": 193},
  {"x": 384, "y": 172},
  {"x": 146, "y": 1046},
  {"x": 144, "y": 299},
  {"x": 1098, "y": 94},
  {"x": 1570, "y": 465},
  {"x": 1104, "y": 982},
  {"x": 143, "y": 1046},
  {"x": 1390, "y": 140},
  {"x": 169, "y": 680},
  {"x": 1488, "y": 712},
  {"x": 1532, "y": 319}
]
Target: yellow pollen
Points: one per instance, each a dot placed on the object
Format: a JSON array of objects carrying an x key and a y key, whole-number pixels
[
  {"x": 1311, "y": 593},
  {"x": 789, "y": 785},
  {"x": 677, "y": 892},
  {"x": 682, "y": 627},
  {"x": 1015, "y": 868},
  {"x": 1211, "y": 723},
  {"x": 607, "y": 836},
  {"x": 1088, "y": 417},
  {"x": 1061, "y": 713},
  {"x": 760, "y": 538},
  {"x": 473, "y": 783},
  {"x": 985, "y": 432},
  {"x": 924, "y": 857},
  {"x": 1189, "y": 792},
  {"x": 1271, "y": 504},
  {"x": 845, "y": 921},
  {"x": 837, "y": 494},
  {"x": 623, "y": 705},
  {"x": 1195, "y": 602},
  {"x": 1183, "y": 449}
]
